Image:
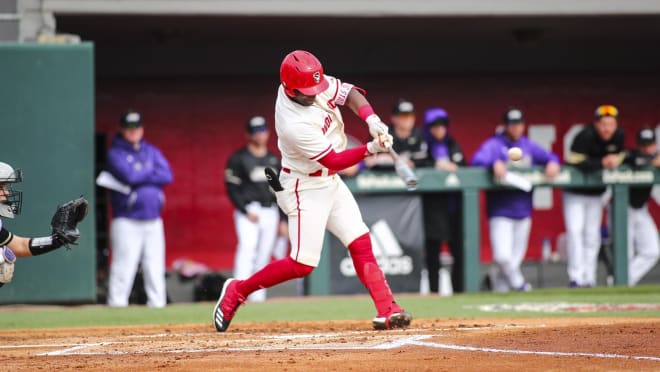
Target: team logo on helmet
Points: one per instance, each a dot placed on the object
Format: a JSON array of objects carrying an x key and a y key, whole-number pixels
[{"x": 317, "y": 77}]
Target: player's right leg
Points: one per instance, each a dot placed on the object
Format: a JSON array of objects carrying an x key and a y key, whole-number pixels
[
  {"x": 307, "y": 220},
  {"x": 235, "y": 292}
]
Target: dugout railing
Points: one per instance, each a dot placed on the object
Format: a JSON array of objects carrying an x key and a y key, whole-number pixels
[{"x": 470, "y": 181}]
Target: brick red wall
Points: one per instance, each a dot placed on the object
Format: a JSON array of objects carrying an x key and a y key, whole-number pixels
[{"x": 198, "y": 123}]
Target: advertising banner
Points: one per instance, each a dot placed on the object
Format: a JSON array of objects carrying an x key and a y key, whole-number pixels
[{"x": 397, "y": 236}]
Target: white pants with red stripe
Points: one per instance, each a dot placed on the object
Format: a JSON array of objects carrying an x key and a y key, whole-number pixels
[
  {"x": 313, "y": 204},
  {"x": 136, "y": 242}
]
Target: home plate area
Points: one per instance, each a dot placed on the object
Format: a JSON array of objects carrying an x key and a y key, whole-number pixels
[{"x": 431, "y": 344}]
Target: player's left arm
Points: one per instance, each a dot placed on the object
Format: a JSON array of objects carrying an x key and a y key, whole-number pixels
[
  {"x": 541, "y": 156},
  {"x": 65, "y": 231},
  {"x": 24, "y": 247}
]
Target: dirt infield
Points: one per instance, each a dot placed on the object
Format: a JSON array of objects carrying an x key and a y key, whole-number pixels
[{"x": 429, "y": 345}]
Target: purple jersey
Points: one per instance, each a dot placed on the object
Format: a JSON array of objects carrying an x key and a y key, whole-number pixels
[
  {"x": 146, "y": 171},
  {"x": 510, "y": 203}
]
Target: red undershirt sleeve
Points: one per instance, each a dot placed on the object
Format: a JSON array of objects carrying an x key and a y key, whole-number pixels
[{"x": 337, "y": 161}]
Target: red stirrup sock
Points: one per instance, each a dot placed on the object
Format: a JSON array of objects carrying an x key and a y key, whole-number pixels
[
  {"x": 370, "y": 274},
  {"x": 274, "y": 273}
]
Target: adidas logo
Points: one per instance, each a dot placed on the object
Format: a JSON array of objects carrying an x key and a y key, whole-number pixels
[{"x": 389, "y": 254}]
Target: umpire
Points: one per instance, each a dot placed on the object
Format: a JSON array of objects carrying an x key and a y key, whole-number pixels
[{"x": 256, "y": 216}]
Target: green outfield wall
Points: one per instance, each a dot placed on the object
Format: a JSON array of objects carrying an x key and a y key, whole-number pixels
[{"x": 47, "y": 130}]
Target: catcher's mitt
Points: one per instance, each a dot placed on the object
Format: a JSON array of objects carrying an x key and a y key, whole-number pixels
[{"x": 66, "y": 219}]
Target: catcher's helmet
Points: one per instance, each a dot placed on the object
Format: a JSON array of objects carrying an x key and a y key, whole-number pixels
[
  {"x": 10, "y": 205},
  {"x": 303, "y": 72}
]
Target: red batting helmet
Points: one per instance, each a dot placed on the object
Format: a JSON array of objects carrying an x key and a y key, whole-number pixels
[{"x": 301, "y": 71}]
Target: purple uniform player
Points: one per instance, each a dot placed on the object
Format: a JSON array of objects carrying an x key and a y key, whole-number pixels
[{"x": 509, "y": 211}]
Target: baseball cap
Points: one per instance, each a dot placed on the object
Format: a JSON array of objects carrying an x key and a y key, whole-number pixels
[
  {"x": 256, "y": 124},
  {"x": 513, "y": 116},
  {"x": 130, "y": 119},
  {"x": 645, "y": 136},
  {"x": 403, "y": 107},
  {"x": 435, "y": 116},
  {"x": 606, "y": 110}
]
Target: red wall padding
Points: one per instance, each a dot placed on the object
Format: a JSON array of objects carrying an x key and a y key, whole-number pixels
[{"x": 198, "y": 123}]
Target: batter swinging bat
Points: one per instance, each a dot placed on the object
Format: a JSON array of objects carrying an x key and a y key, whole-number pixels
[{"x": 404, "y": 171}]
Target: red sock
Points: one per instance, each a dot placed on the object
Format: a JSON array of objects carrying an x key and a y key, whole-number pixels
[
  {"x": 370, "y": 274},
  {"x": 274, "y": 273}
]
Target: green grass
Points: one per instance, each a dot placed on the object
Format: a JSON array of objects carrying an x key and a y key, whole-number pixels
[{"x": 331, "y": 308}]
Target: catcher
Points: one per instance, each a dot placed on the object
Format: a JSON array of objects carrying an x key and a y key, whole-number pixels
[{"x": 64, "y": 224}]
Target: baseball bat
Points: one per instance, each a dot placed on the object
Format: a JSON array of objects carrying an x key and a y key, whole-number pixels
[
  {"x": 404, "y": 171},
  {"x": 273, "y": 179}
]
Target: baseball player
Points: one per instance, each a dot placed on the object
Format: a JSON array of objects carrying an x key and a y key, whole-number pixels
[
  {"x": 595, "y": 147},
  {"x": 509, "y": 211},
  {"x": 442, "y": 210},
  {"x": 312, "y": 142},
  {"x": 643, "y": 244},
  {"x": 137, "y": 231},
  {"x": 256, "y": 217},
  {"x": 11, "y": 245}
]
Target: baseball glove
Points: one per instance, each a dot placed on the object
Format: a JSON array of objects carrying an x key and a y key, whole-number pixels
[{"x": 66, "y": 218}]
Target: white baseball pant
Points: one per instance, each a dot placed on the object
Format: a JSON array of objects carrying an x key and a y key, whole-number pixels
[
  {"x": 643, "y": 243},
  {"x": 137, "y": 242},
  {"x": 582, "y": 217},
  {"x": 255, "y": 243},
  {"x": 509, "y": 238},
  {"x": 314, "y": 204}
]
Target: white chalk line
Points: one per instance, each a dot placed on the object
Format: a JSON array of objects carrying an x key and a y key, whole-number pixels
[
  {"x": 71, "y": 350},
  {"x": 414, "y": 340},
  {"x": 531, "y": 352}
]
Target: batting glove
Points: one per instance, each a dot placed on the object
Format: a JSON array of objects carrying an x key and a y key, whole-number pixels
[
  {"x": 376, "y": 126},
  {"x": 382, "y": 144}
]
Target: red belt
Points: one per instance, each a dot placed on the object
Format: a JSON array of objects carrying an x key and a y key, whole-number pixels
[{"x": 318, "y": 173}]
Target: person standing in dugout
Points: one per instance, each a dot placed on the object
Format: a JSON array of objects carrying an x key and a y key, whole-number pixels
[
  {"x": 643, "y": 243},
  {"x": 596, "y": 147},
  {"x": 443, "y": 215},
  {"x": 137, "y": 233},
  {"x": 312, "y": 142},
  {"x": 510, "y": 211},
  {"x": 256, "y": 217},
  {"x": 11, "y": 245},
  {"x": 408, "y": 140}
]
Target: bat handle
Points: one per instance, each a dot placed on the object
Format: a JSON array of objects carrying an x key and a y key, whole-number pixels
[{"x": 394, "y": 154}]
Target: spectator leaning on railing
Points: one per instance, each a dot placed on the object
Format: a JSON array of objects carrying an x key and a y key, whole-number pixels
[
  {"x": 597, "y": 146},
  {"x": 643, "y": 244},
  {"x": 509, "y": 211}
]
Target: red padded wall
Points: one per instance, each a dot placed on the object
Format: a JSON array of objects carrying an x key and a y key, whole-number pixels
[{"x": 198, "y": 123}]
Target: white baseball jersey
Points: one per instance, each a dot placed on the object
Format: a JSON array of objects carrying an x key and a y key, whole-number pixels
[
  {"x": 314, "y": 203},
  {"x": 308, "y": 133}
]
